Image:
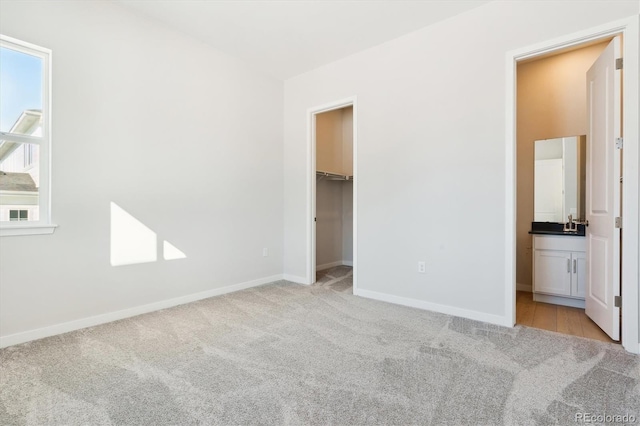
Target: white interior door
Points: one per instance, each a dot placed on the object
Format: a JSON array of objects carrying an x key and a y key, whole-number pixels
[{"x": 603, "y": 191}]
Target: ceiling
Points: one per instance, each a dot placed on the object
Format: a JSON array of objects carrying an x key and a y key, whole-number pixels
[{"x": 287, "y": 38}]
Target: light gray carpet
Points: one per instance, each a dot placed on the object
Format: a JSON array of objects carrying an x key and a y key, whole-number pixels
[{"x": 290, "y": 354}]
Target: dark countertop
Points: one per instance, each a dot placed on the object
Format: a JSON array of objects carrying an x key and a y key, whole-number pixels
[
  {"x": 565, "y": 233},
  {"x": 553, "y": 228}
]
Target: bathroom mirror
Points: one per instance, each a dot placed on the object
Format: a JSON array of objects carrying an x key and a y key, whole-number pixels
[{"x": 559, "y": 179}]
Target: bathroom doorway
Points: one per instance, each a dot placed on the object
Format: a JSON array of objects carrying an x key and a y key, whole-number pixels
[
  {"x": 551, "y": 164},
  {"x": 518, "y": 250}
]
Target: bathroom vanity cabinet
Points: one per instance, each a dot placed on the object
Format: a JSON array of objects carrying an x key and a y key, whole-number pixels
[{"x": 559, "y": 268}]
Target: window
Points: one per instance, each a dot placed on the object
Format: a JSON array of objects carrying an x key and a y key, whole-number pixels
[
  {"x": 25, "y": 138},
  {"x": 18, "y": 215}
]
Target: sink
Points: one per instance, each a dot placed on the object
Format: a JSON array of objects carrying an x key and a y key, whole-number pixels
[{"x": 555, "y": 228}]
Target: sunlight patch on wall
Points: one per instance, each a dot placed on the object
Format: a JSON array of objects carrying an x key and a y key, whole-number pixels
[
  {"x": 170, "y": 252},
  {"x": 131, "y": 241}
]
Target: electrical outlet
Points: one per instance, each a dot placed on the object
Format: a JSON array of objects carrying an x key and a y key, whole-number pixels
[
  {"x": 422, "y": 267},
  {"x": 265, "y": 252}
]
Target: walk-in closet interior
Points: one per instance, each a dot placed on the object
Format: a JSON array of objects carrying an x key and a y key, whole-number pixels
[{"x": 334, "y": 193}]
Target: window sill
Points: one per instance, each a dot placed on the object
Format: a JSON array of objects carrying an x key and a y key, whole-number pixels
[{"x": 9, "y": 231}]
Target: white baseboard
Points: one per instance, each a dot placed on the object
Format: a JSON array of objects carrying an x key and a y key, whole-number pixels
[
  {"x": 39, "y": 333},
  {"x": 435, "y": 307},
  {"x": 295, "y": 279},
  {"x": 328, "y": 265},
  {"x": 559, "y": 300},
  {"x": 524, "y": 287},
  {"x": 333, "y": 264}
]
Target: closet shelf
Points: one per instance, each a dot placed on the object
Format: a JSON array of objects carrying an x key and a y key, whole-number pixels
[{"x": 333, "y": 176}]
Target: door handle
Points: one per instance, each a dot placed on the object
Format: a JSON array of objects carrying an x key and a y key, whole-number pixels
[
  {"x": 569, "y": 265},
  {"x": 575, "y": 262}
]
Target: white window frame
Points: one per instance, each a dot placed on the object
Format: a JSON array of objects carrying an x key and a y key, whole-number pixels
[{"x": 44, "y": 225}]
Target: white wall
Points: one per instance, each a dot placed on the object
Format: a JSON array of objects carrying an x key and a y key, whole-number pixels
[
  {"x": 329, "y": 240},
  {"x": 334, "y": 226},
  {"x": 431, "y": 151},
  {"x": 186, "y": 139}
]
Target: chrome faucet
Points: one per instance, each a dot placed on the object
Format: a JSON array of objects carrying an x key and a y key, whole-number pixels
[{"x": 571, "y": 226}]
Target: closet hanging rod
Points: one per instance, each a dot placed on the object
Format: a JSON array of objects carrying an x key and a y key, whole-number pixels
[{"x": 333, "y": 176}]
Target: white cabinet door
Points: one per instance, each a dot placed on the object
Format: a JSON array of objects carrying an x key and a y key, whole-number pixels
[
  {"x": 578, "y": 274},
  {"x": 553, "y": 272}
]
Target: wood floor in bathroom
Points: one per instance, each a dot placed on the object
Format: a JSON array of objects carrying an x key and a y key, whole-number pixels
[{"x": 561, "y": 319}]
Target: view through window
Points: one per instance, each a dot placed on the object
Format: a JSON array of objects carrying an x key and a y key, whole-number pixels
[{"x": 23, "y": 136}]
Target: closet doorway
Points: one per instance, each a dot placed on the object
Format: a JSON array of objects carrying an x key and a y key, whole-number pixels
[{"x": 332, "y": 251}]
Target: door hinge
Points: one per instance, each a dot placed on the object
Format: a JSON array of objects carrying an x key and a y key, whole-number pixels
[
  {"x": 618, "y": 222},
  {"x": 619, "y": 62},
  {"x": 619, "y": 143},
  {"x": 617, "y": 301}
]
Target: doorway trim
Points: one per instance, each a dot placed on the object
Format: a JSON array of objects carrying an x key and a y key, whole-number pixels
[
  {"x": 311, "y": 184},
  {"x": 630, "y": 272}
]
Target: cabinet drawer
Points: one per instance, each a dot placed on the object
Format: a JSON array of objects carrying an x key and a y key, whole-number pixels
[{"x": 553, "y": 242}]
